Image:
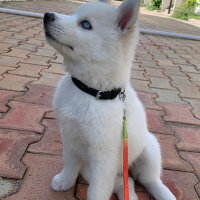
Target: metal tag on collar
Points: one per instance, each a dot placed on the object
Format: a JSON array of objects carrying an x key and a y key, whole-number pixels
[
  {"x": 122, "y": 95},
  {"x": 98, "y": 95}
]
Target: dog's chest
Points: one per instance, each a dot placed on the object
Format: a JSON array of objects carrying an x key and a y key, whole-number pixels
[{"x": 93, "y": 117}]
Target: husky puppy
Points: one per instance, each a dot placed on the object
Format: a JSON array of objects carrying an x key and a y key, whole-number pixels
[{"x": 98, "y": 43}]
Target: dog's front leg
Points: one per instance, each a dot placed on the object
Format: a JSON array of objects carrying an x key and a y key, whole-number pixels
[
  {"x": 67, "y": 178},
  {"x": 104, "y": 171}
]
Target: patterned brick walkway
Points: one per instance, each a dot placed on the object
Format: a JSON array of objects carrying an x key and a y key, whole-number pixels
[{"x": 166, "y": 75}]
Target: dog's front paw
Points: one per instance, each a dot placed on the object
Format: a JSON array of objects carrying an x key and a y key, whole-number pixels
[{"x": 59, "y": 183}]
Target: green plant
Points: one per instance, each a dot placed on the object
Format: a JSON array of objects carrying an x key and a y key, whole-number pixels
[
  {"x": 149, "y": 7},
  {"x": 182, "y": 13},
  {"x": 190, "y": 4},
  {"x": 186, "y": 11},
  {"x": 154, "y": 5},
  {"x": 142, "y": 3},
  {"x": 194, "y": 17}
]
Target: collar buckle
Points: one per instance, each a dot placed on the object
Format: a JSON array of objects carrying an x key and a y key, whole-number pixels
[
  {"x": 98, "y": 94},
  {"x": 122, "y": 95}
]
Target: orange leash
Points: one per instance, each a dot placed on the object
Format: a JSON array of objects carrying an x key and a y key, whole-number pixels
[{"x": 125, "y": 158}]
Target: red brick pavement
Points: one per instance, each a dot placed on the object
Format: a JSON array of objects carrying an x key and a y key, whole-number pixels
[{"x": 165, "y": 74}]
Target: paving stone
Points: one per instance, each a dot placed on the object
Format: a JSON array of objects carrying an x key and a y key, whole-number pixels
[
  {"x": 148, "y": 100},
  {"x": 189, "y": 138},
  {"x": 38, "y": 94},
  {"x": 162, "y": 83},
  {"x": 155, "y": 122},
  {"x": 10, "y": 40},
  {"x": 20, "y": 36},
  {"x": 51, "y": 142},
  {"x": 141, "y": 51},
  {"x": 170, "y": 157},
  {"x": 194, "y": 159},
  {"x": 14, "y": 82},
  {"x": 24, "y": 116},
  {"x": 195, "y": 103},
  {"x": 172, "y": 71},
  {"x": 143, "y": 196},
  {"x": 160, "y": 57},
  {"x": 30, "y": 47},
  {"x": 138, "y": 75},
  {"x": 153, "y": 49},
  {"x": 13, "y": 144},
  {"x": 197, "y": 66},
  {"x": 4, "y": 47},
  {"x": 146, "y": 57},
  {"x": 37, "y": 60},
  {"x": 8, "y": 187},
  {"x": 197, "y": 187},
  {"x": 36, "y": 183},
  {"x": 170, "y": 96},
  {"x": 147, "y": 42},
  {"x": 181, "y": 80},
  {"x": 168, "y": 52},
  {"x": 55, "y": 68},
  {"x": 19, "y": 53},
  {"x": 59, "y": 59},
  {"x": 149, "y": 64},
  {"x": 172, "y": 55},
  {"x": 31, "y": 32},
  {"x": 6, "y": 33},
  {"x": 165, "y": 63},
  {"x": 45, "y": 52},
  {"x": 154, "y": 72},
  {"x": 140, "y": 85},
  {"x": 181, "y": 184},
  {"x": 194, "y": 77},
  {"x": 179, "y": 113},
  {"x": 28, "y": 70},
  {"x": 34, "y": 41},
  {"x": 195, "y": 62},
  {"x": 136, "y": 66},
  {"x": 47, "y": 46},
  {"x": 9, "y": 61},
  {"x": 188, "y": 68},
  {"x": 189, "y": 92},
  {"x": 5, "y": 96},
  {"x": 4, "y": 70},
  {"x": 186, "y": 56},
  {"x": 50, "y": 115},
  {"x": 48, "y": 79},
  {"x": 180, "y": 61},
  {"x": 81, "y": 194},
  {"x": 140, "y": 48}
]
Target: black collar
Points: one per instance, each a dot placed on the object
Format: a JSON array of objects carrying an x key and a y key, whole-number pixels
[{"x": 104, "y": 95}]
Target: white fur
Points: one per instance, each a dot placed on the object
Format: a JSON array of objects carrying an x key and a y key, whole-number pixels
[{"x": 92, "y": 129}]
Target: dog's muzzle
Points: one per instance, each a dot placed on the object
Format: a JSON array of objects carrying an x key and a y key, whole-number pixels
[{"x": 48, "y": 18}]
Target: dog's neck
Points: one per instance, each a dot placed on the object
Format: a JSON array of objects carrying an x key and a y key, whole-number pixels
[{"x": 99, "y": 79}]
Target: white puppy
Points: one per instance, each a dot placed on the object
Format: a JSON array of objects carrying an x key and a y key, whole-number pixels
[{"x": 98, "y": 43}]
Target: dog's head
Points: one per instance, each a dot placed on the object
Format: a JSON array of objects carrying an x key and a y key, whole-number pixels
[{"x": 97, "y": 36}]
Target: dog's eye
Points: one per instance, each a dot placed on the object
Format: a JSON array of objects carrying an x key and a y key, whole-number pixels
[{"x": 86, "y": 25}]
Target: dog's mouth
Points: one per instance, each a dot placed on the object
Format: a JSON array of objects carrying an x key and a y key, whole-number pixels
[{"x": 48, "y": 35}]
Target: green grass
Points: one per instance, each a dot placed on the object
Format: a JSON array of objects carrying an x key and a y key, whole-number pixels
[
  {"x": 194, "y": 17},
  {"x": 186, "y": 11}
]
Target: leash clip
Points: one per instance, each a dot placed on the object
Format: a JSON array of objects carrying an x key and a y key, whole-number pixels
[
  {"x": 122, "y": 95},
  {"x": 98, "y": 94}
]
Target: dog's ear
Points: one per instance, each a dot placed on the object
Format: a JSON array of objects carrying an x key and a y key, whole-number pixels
[
  {"x": 105, "y": 1},
  {"x": 127, "y": 14}
]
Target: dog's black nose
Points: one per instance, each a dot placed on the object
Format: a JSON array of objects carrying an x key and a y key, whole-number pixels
[{"x": 49, "y": 17}]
